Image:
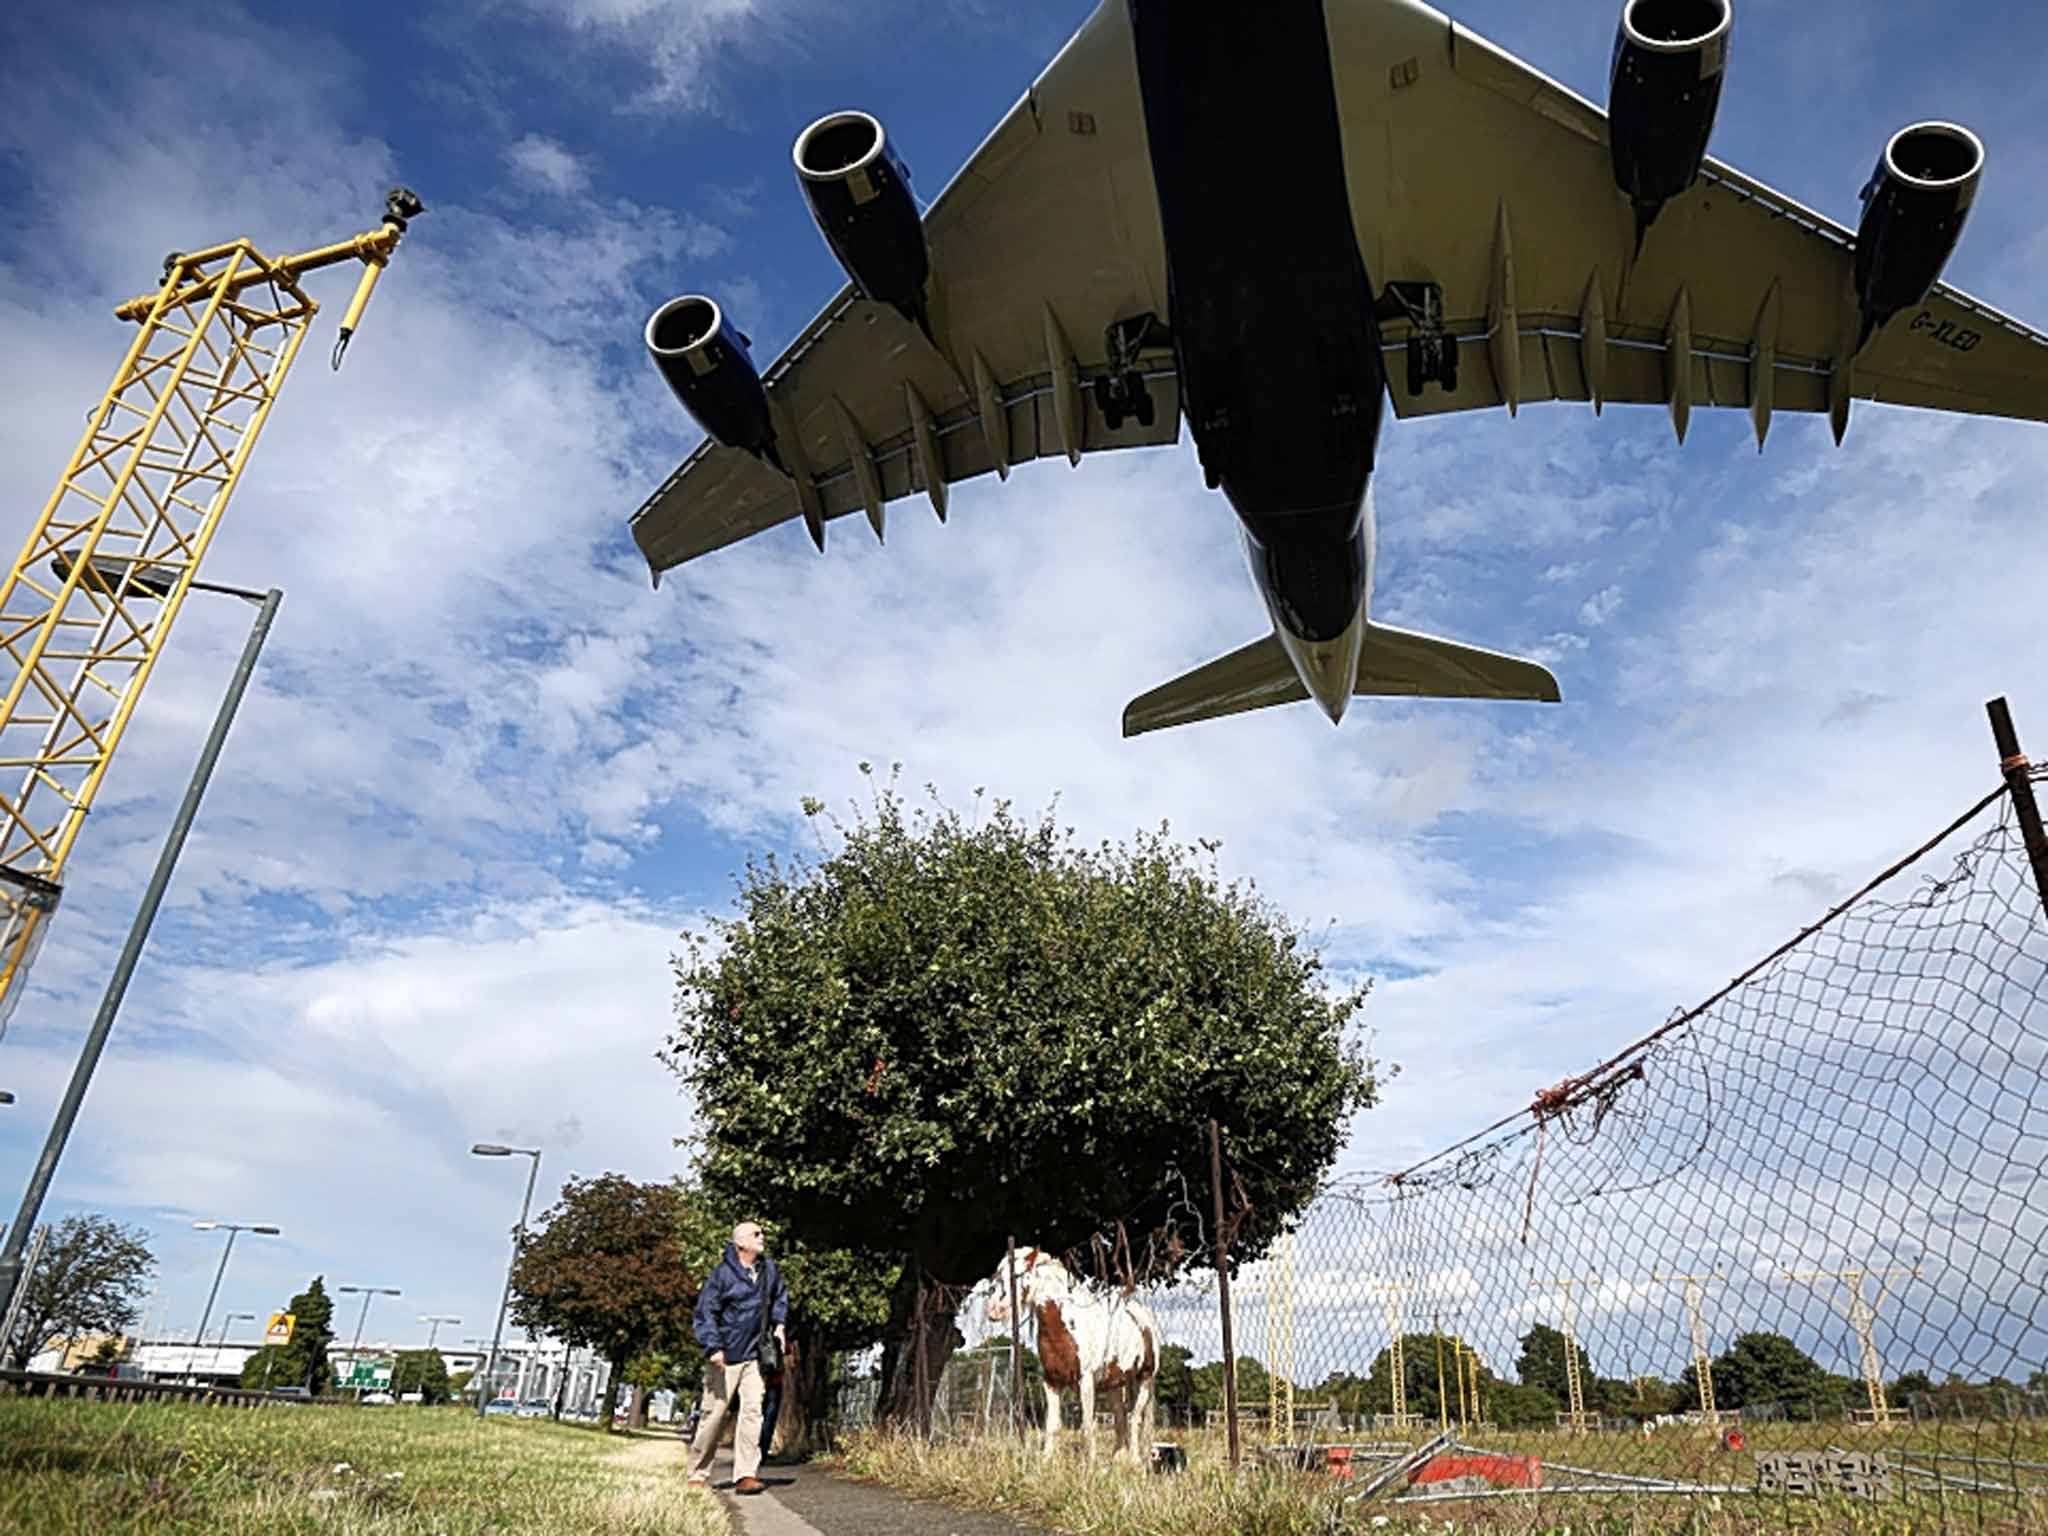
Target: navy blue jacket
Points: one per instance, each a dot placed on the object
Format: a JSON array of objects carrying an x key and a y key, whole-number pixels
[{"x": 729, "y": 1307}]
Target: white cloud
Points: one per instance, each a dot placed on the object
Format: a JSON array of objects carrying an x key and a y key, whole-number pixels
[
  {"x": 676, "y": 42},
  {"x": 548, "y": 164},
  {"x": 1601, "y": 606}
]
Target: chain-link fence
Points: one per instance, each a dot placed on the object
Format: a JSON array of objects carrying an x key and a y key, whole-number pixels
[{"x": 1790, "y": 1243}]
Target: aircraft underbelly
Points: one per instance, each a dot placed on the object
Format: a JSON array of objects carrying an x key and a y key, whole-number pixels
[{"x": 1271, "y": 303}]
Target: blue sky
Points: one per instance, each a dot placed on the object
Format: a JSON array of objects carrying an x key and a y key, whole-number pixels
[{"x": 487, "y": 774}]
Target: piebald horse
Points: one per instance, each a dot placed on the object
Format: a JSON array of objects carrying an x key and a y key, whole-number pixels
[{"x": 1086, "y": 1344}]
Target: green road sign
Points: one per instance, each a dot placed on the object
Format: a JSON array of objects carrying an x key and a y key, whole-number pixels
[{"x": 369, "y": 1375}]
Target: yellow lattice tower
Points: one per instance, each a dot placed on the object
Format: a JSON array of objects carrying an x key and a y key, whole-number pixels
[
  {"x": 1702, "y": 1349},
  {"x": 1575, "y": 1416},
  {"x": 1393, "y": 1291},
  {"x": 1280, "y": 1340},
  {"x": 86, "y": 609},
  {"x": 1862, "y": 1315}
]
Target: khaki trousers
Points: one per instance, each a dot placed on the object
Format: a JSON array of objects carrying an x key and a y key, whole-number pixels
[{"x": 720, "y": 1382}]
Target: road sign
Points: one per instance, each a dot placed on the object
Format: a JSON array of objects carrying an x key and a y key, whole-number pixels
[
  {"x": 280, "y": 1329},
  {"x": 367, "y": 1375}
]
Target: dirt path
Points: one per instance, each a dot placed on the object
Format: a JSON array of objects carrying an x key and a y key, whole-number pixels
[{"x": 807, "y": 1501}]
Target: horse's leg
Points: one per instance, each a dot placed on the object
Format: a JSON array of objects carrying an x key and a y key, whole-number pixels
[
  {"x": 1052, "y": 1418},
  {"x": 1121, "y": 1398},
  {"x": 1088, "y": 1410},
  {"x": 1141, "y": 1415}
]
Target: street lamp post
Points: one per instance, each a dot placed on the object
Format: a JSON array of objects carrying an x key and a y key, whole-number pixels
[
  {"x": 234, "y": 1229},
  {"x": 138, "y": 931},
  {"x": 491, "y": 1149},
  {"x": 221, "y": 1343},
  {"x": 434, "y": 1331},
  {"x": 368, "y": 1293}
]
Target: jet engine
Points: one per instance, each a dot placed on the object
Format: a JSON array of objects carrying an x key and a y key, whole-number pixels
[
  {"x": 1913, "y": 212},
  {"x": 707, "y": 364},
  {"x": 859, "y": 192},
  {"x": 1670, "y": 57}
]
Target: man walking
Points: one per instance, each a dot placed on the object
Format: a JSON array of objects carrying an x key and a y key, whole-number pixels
[{"x": 741, "y": 1302}]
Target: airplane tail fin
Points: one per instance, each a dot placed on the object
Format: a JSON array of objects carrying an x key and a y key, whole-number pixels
[{"x": 1393, "y": 663}]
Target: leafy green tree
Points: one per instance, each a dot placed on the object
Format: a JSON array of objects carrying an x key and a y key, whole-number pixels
[
  {"x": 1253, "y": 1381},
  {"x": 603, "y": 1268},
  {"x": 1174, "y": 1386},
  {"x": 303, "y": 1362},
  {"x": 89, "y": 1280},
  {"x": 1763, "y": 1368},
  {"x": 423, "y": 1371},
  {"x": 1422, "y": 1355},
  {"x": 949, "y": 1031},
  {"x": 1513, "y": 1405},
  {"x": 1542, "y": 1364}
]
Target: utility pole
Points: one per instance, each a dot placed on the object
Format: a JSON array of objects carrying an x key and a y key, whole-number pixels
[
  {"x": 1862, "y": 1315},
  {"x": 1575, "y": 1417},
  {"x": 2012, "y": 762},
  {"x": 1393, "y": 1291},
  {"x": 1702, "y": 1357},
  {"x": 1016, "y": 1347}
]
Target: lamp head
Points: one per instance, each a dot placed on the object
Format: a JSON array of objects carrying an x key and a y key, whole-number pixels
[{"x": 490, "y": 1149}]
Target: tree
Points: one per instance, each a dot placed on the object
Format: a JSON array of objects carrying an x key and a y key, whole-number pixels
[
  {"x": 1764, "y": 1368},
  {"x": 1253, "y": 1382},
  {"x": 604, "y": 1269},
  {"x": 1542, "y": 1364},
  {"x": 1422, "y": 1356},
  {"x": 948, "y": 1032},
  {"x": 1514, "y": 1405},
  {"x": 423, "y": 1371},
  {"x": 88, "y": 1281},
  {"x": 303, "y": 1362},
  {"x": 1173, "y": 1387}
]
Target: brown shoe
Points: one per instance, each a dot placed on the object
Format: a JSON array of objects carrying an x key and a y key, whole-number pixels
[{"x": 750, "y": 1485}]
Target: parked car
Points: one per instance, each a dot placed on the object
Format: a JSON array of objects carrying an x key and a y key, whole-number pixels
[
  {"x": 378, "y": 1400},
  {"x": 500, "y": 1405},
  {"x": 536, "y": 1408}
]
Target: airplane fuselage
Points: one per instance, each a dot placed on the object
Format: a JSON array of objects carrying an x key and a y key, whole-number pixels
[{"x": 1282, "y": 377}]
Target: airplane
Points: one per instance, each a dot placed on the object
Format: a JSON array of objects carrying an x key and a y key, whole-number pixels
[{"x": 1278, "y": 220}]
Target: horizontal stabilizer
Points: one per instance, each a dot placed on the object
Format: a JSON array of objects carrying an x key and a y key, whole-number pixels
[
  {"x": 1394, "y": 663},
  {"x": 1254, "y": 677},
  {"x": 1399, "y": 662}
]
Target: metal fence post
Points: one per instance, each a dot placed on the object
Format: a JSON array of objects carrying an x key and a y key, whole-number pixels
[
  {"x": 1223, "y": 1288},
  {"x": 1016, "y": 1349},
  {"x": 2018, "y": 772}
]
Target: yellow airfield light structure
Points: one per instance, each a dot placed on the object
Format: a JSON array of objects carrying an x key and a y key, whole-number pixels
[
  {"x": 1280, "y": 1340},
  {"x": 1862, "y": 1314},
  {"x": 1702, "y": 1349},
  {"x": 1397, "y": 1367},
  {"x": 90, "y": 601},
  {"x": 1575, "y": 1417}
]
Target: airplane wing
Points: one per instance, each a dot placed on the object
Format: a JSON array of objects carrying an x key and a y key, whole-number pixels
[
  {"x": 1500, "y": 190},
  {"x": 1046, "y": 238}
]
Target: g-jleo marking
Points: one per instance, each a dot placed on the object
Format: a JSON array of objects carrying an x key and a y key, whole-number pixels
[{"x": 1947, "y": 332}]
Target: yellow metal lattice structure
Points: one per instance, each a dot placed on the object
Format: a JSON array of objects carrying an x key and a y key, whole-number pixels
[
  {"x": 1575, "y": 1417},
  {"x": 1862, "y": 1314},
  {"x": 1280, "y": 1340},
  {"x": 92, "y": 597},
  {"x": 1702, "y": 1348}
]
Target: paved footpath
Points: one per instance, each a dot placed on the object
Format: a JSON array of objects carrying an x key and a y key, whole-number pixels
[{"x": 808, "y": 1501}]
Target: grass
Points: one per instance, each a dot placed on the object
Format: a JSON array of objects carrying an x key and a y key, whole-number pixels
[
  {"x": 97, "y": 1469},
  {"x": 1069, "y": 1495}
]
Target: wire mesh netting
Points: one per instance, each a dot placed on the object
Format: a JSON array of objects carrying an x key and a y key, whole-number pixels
[{"x": 1786, "y": 1250}]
